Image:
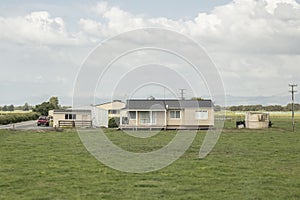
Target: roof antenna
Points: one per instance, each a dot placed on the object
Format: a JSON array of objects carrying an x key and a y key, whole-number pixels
[{"x": 182, "y": 94}]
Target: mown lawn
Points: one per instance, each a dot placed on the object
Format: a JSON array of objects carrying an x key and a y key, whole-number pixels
[{"x": 245, "y": 164}]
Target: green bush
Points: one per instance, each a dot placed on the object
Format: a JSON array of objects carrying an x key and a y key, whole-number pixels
[
  {"x": 17, "y": 117},
  {"x": 114, "y": 122}
]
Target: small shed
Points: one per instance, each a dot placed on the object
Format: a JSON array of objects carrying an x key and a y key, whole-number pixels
[
  {"x": 257, "y": 120},
  {"x": 87, "y": 116}
]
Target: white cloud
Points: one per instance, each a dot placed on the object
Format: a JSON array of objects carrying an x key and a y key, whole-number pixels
[
  {"x": 273, "y": 4},
  {"x": 263, "y": 26},
  {"x": 36, "y": 28},
  {"x": 249, "y": 40},
  {"x": 255, "y": 43}
]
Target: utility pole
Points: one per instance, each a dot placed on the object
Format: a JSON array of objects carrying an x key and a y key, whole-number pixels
[
  {"x": 182, "y": 94},
  {"x": 293, "y": 91}
]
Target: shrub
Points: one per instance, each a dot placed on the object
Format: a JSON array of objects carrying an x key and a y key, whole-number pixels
[
  {"x": 114, "y": 122},
  {"x": 17, "y": 117}
]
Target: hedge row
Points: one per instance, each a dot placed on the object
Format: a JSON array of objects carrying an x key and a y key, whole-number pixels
[{"x": 17, "y": 117}]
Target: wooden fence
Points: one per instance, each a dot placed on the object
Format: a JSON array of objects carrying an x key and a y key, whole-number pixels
[{"x": 74, "y": 123}]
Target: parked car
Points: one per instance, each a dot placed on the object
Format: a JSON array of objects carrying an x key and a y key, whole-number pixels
[{"x": 43, "y": 121}]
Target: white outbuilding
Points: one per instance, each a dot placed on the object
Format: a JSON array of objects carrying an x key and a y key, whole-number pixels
[
  {"x": 87, "y": 116},
  {"x": 257, "y": 120}
]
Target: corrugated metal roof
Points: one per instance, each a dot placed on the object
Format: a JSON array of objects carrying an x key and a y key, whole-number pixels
[
  {"x": 71, "y": 111},
  {"x": 114, "y": 101},
  {"x": 167, "y": 103}
]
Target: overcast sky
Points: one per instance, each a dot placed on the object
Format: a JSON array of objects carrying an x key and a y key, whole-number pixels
[{"x": 253, "y": 43}]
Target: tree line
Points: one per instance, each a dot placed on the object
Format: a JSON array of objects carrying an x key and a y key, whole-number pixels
[
  {"x": 43, "y": 108},
  {"x": 25, "y": 107},
  {"x": 40, "y": 109},
  {"x": 288, "y": 107}
]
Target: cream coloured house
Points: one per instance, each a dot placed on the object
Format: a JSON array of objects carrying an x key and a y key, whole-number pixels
[{"x": 167, "y": 114}]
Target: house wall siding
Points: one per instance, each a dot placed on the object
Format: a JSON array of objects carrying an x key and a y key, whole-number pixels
[
  {"x": 160, "y": 118},
  {"x": 61, "y": 116},
  {"x": 174, "y": 121},
  {"x": 188, "y": 118}
]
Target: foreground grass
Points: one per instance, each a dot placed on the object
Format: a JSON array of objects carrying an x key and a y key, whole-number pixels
[{"x": 245, "y": 164}]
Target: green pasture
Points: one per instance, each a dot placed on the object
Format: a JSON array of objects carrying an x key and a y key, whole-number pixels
[{"x": 14, "y": 112}]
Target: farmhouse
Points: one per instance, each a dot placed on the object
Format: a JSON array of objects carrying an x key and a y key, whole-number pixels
[
  {"x": 167, "y": 114},
  {"x": 113, "y": 108},
  {"x": 88, "y": 116}
]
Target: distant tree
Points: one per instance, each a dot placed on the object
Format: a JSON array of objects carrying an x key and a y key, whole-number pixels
[
  {"x": 0, "y": 108},
  {"x": 18, "y": 107},
  {"x": 54, "y": 102},
  {"x": 217, "y": 108},
  {"x": 10, "y": 108},
  {"x": 26, "y": 107},
  {"x": 44, "y": 108},
  {"x": 4, "y": 108},
  {"x": 274, "y": 108},
  {"x": 197, "y": 98},
  {"x": 233, "y": 108},
  {"x": 240, "y": 108},
  {"x": 289, "y": 107},
  {"x": 266, "y": 108},
  {"x": 297, "y": 106},
  {"x": 255, "y": 108}
]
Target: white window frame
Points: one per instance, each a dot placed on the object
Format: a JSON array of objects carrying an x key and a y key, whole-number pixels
[
  {"x": 201, "y": 115},
  {"x": 154, "y": 116},
  {"x": 175, "y": 114},
  {"x": 70, "y": 116},
  {"x": 145, "y": 120},
  {"x": 129, "y": 116}
]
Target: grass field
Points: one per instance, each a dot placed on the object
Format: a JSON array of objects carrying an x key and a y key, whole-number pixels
[
  {"x": 245, "y": 164},
  {"x": 15, "y": 112}
]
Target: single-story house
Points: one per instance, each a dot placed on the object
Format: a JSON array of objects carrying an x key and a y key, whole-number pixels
[
  {"x": 257, "y": 120},
  {"x": 113, "y": 108},
  {"x": 167, "y": 114},
  {"x": 88, "y": 116}
]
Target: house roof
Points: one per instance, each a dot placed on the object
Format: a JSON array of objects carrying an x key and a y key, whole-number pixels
[
  {"x": 161, "y": 104},
  {"x": 110, "y": 102},
  {"x": 67, "y": 111}
]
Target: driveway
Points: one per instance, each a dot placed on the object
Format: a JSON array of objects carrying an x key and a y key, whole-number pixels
[{"x": 28, "y": 125}]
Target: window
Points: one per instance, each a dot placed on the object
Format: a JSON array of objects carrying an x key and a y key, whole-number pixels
[
  {"x": 132, "y": 115},
  {"x": 262, "y": 117},
  {"x": 201, "y": 114},
  {"x": 125, "y": 120},
  {"x": 144, "y": 117},
  {"x": 113, "y": 112},
  {"x": 70, "y": 116},
  {"x": 175, "y": 114}
]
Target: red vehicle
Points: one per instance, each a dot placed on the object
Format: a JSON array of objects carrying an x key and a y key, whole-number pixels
[{"x": 43, "y": 121}]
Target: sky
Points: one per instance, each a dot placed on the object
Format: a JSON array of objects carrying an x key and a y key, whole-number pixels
[{"x": 254, "y": 45}]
